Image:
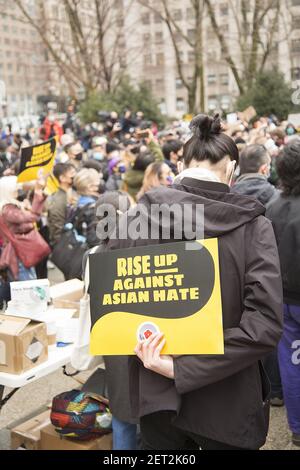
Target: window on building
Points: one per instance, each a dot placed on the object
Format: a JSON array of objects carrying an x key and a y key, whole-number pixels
[
  {"x": 190, "y": 14},
  {"x": 157, "y": 18},
  {"x": 146, "y": 18},
  {"x": 295, "y": 3},
  {"x": 160, "y": 58},
  {"x": 211, "y": 79},
  {"x": 123, "y": 61},
  {"x": 177, "y": 15},
  {"x": 180, "y": 105},
  {"x": 148, "y": 84},
  {"x": 295, "y": 72},
  {"x": 147, "y": 59},
  {"x": 162, "y": 106},
  {"x": 212, "y": 102},
  {"x": 296, "y": 22},
  {"x": 159, "y": 37},
  {"x": 179, "y": 83},
  {"x": 177, "y": 37},
  {"x": 224, "y": 79},
  {"x": 210, "y": 33},
  {"x": 225, "y": 102},
  {"x": 191, "y": 34},
  {"x": 120, "y": 22},
  {"x": 224, "y": 9},
  {"x": 191, "y": 56},
  {"x": 159, "y": 83},
  {"x": 146, "y": 39},
  {"x": 296, "y": 45},
  {"x": 212, "y": 54}
]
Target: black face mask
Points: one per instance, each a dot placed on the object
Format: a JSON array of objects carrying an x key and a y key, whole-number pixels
[{"x": 78, "y": 157}]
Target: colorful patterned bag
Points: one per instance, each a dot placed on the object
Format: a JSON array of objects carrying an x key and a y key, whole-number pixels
[{"x": 80, "y": 415}]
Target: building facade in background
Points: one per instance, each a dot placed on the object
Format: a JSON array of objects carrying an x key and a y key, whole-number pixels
[
  {"x": 23, "y": 66},
  {"x": 157, "y": 63},
  {"x": 29, "y": 76}
]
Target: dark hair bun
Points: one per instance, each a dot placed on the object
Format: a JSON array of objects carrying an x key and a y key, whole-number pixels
[{"x": 204, "y": 127}]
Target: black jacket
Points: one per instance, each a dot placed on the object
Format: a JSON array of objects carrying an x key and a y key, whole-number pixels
[
  {"x": 222, "y": 397},
  {"x": 255, "y": 185},
  {"x": 284, "y": 212}
]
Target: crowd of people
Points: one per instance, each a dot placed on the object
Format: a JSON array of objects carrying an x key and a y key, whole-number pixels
[{"x": 128, "y": 155}]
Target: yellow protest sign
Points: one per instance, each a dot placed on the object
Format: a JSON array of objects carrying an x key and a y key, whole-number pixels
[
  {"x": 35, "y": 158},
  {"x": 166, "y": 288},
  {"x": 52, "y": 185}
]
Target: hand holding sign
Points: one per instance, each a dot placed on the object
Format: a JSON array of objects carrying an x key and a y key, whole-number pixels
[
  {"x": 149, "y": 352},
  {"x": 41, "y": 181},
  {"x": 36, "y": 157},
  {"x": 149, "y": 289}
]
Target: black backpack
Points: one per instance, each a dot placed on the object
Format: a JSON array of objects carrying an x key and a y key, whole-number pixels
[{"x": 68, "y": 252}]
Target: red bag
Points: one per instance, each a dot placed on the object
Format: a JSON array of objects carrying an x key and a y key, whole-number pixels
[{"x": 30, "y": 247}]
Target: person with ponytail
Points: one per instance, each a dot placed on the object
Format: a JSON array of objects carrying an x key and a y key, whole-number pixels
[{"x": 212, "y": 401}]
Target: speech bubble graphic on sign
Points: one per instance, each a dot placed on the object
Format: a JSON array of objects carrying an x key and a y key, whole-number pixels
[{"x": 175, "y": 289}]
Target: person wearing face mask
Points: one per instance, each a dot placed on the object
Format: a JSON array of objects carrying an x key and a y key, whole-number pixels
[
  {"x": 116, "y": 168},
  {"x": 212, "y": 401},
  {"x": 255, "y": 163},
  {"x": 59, "y": 201},
  {"x": 86, "y": 183},
  {"x": 75, "y": 154},
  {"x": 98, "y": 151},
  {"x": 51, "y": 127},
  {"x": 290, "y": 130}
]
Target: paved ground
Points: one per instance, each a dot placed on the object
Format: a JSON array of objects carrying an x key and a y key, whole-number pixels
[{"x": 37, "y": 395}]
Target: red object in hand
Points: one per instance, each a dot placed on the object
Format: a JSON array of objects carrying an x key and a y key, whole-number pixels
[{"x": 147, "y": 334}]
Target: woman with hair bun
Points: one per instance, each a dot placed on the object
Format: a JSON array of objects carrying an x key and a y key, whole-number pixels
[{"x": 212, "y": 401}]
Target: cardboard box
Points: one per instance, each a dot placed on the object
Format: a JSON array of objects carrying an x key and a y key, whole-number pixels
[
  {"x": 51, "y": 440},
  {"x": 67, "y": 294},
  {"x": 28, "y": 434},
  {"x": 23, "y": 344},
  {"x": 30, "y": 291}
]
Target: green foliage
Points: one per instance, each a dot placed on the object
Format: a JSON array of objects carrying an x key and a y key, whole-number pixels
[
  {"x": 125, "y": 96},
  {"x": 270, "y": 94}
]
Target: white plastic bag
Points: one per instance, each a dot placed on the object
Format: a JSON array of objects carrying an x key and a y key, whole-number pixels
[{"x": 81, "y": 359}]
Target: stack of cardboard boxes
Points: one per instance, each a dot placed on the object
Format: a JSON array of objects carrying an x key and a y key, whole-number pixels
[
  {"x": 38, "y": 434},
  {"x": 24, "y": 335},
  {"x": 24, "y": 345}
]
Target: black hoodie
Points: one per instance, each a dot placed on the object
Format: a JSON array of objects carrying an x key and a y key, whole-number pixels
[{"x": 223, "y": 398}]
